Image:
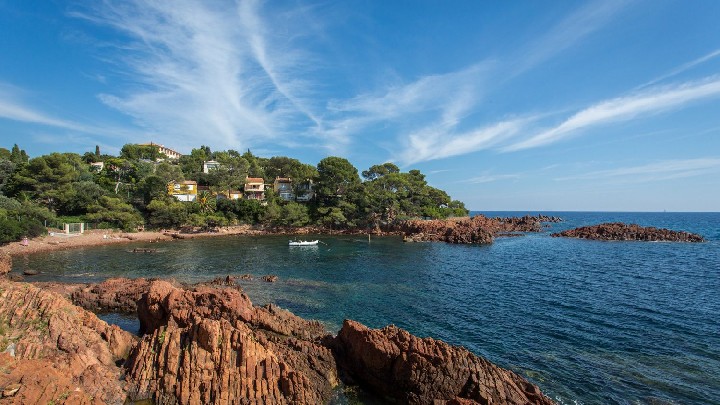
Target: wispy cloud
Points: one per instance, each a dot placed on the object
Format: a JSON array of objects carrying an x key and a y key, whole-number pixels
[
  {"x": 440, "y": 142},
  {"x": 489, "y": 178},
  {"x": 663, "y": 170},
  {"x": 567, "y": 33},
  {"x": 13, "y": 108},
  {"x": 197, "y": 71},
  {"x": 684, "y": 67},
  {"x": 453, "y": 97},
  {"x": 649, "y": 102}
]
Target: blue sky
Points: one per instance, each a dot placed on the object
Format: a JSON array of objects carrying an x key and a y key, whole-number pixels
[{"x": 523, "y": 105}]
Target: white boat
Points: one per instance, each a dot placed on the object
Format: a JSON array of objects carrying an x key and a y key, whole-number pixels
[{"x": 304, "y": 242}]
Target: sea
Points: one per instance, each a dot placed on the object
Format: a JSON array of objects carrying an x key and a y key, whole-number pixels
[{"x": 590, "y": 322}]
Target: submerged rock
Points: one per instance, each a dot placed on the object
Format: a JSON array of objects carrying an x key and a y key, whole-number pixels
[
  {"x": 631, "y": 232},
  {"x": 396, "y": 364}
]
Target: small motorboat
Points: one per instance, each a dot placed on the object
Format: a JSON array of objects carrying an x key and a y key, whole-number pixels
[{"x": 303, "y": 242}]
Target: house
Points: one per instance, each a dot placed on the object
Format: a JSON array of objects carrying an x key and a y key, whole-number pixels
[
  {"x": 235, "y": 194},
  {"x": 169, "y": 153},
  {"x": 254, "y": 188},
  {"x": 305, "y": 191},
  {"x": 283, "y": 188},
  {"x": 97, "y": 166},
  {"x": 210, "y": 165},
  {"x": 184, "y": 190}
]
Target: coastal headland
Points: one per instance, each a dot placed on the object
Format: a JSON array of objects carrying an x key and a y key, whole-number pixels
[{"x": 207, "y": 343}]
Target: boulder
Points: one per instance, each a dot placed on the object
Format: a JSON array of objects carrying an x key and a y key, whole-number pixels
[
  {"x": 393, "y": 363},
  {"x": 55, "y": 352},
  {"x": 112, "y": 295},
  {"x": 5, "y": 263},
  {"x": 211, "y": 345}
]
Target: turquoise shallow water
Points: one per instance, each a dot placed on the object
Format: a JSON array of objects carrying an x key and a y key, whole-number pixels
[{"x": 590, "y": 322}]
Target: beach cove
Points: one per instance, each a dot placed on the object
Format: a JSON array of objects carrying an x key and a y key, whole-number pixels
[{"x": 588, "y": 321}]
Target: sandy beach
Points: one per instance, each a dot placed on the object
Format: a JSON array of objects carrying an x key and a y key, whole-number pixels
[{"x": 59, "y": 241}]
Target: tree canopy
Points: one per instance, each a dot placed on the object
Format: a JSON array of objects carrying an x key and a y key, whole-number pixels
[{"x": 131, "y": 190}]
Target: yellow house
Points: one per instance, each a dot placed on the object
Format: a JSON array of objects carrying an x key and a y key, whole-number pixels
[{"x": 184, "y": 190}]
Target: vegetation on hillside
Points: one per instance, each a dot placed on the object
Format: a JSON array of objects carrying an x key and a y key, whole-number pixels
[{"x": 131, "y": 190}]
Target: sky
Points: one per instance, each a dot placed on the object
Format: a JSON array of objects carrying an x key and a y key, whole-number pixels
[{"x": 522, "y": 105}]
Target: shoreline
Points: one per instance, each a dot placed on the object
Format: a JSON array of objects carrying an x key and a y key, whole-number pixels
[{"x": 102, "y": 237}]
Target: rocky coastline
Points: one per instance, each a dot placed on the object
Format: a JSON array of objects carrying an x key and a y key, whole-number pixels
[
  {"x": 478, "y": 229},
  {"x": 618, "y": 231},
  {"x": 207, "y": 343},
  {"x": 471, "y": 230}
]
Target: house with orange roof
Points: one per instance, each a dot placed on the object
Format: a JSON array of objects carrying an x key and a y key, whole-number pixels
[{"x": 254, "y": 188}]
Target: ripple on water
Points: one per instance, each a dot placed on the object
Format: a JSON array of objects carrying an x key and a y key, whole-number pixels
[{"x": 590, "y": 322}]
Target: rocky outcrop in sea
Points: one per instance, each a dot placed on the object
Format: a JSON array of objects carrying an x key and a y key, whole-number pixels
[
  {"x": 476, "y": 230},
  {"x": 629, "y": 232},
  {"x": 207, "y": 343},
  {"x": 411, "y": 370}
]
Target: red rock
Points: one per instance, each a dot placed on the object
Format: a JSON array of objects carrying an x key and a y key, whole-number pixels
[
  {"x": 634, "y": 232},
  {"x": 212, "y": 346},
  {"x": 396, "y": 364},
  {"x": 5, "y": 263},
  {"x": 112, "y": 295},
  {"x": 476, "y": 230},
  {"x": 56, "y": 351}
]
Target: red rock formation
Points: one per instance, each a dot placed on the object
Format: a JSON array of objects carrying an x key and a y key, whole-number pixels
[
  {"x": 396, "y": 364},
  {"x": 478, "y": 229},
  {"x": 56, "y": 352},
  {"x": 621, "y": 231},
  {"x": 212, "y": 346},
  {"x": 5, "y": 263},
  {"x": 112, "y": 295}
]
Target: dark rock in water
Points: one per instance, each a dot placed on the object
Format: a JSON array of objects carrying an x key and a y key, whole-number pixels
[
  {"x": 270, "y": 278},
  {"x": 631, "y": 232},
  {"x": 31, "y": 272},
  {"x": 396, "y": 364},
  {"x": 476, "y": 230}
]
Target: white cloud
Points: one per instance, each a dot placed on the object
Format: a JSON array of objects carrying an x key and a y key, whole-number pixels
[
  {"x": 489, "y": 178},
  {"x": 440, "y": 142},
  {"x": 664, "y": 170},
  {"x": 684, "y": 67},
  {"x": 12, "y": 108},
  {"x": 568, "y": 32},
  {"x": 649, "y": 102},
  {"x": 197, "y": 71}
]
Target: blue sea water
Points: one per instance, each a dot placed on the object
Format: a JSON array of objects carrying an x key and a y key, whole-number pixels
[{"x": 590, "y": 322}]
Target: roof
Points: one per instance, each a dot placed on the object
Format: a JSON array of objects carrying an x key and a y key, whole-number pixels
[
  {"x": 188, "y": 182},
  {"x": 283, "y": 180},
  {"x": 254, "y": 180}
]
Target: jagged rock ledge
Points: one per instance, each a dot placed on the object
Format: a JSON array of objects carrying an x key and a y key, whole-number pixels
[
  {"x": 476, "y": 230},
  {"x": 629, "y": 232},
  {"x": 209, "y": 344}
]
